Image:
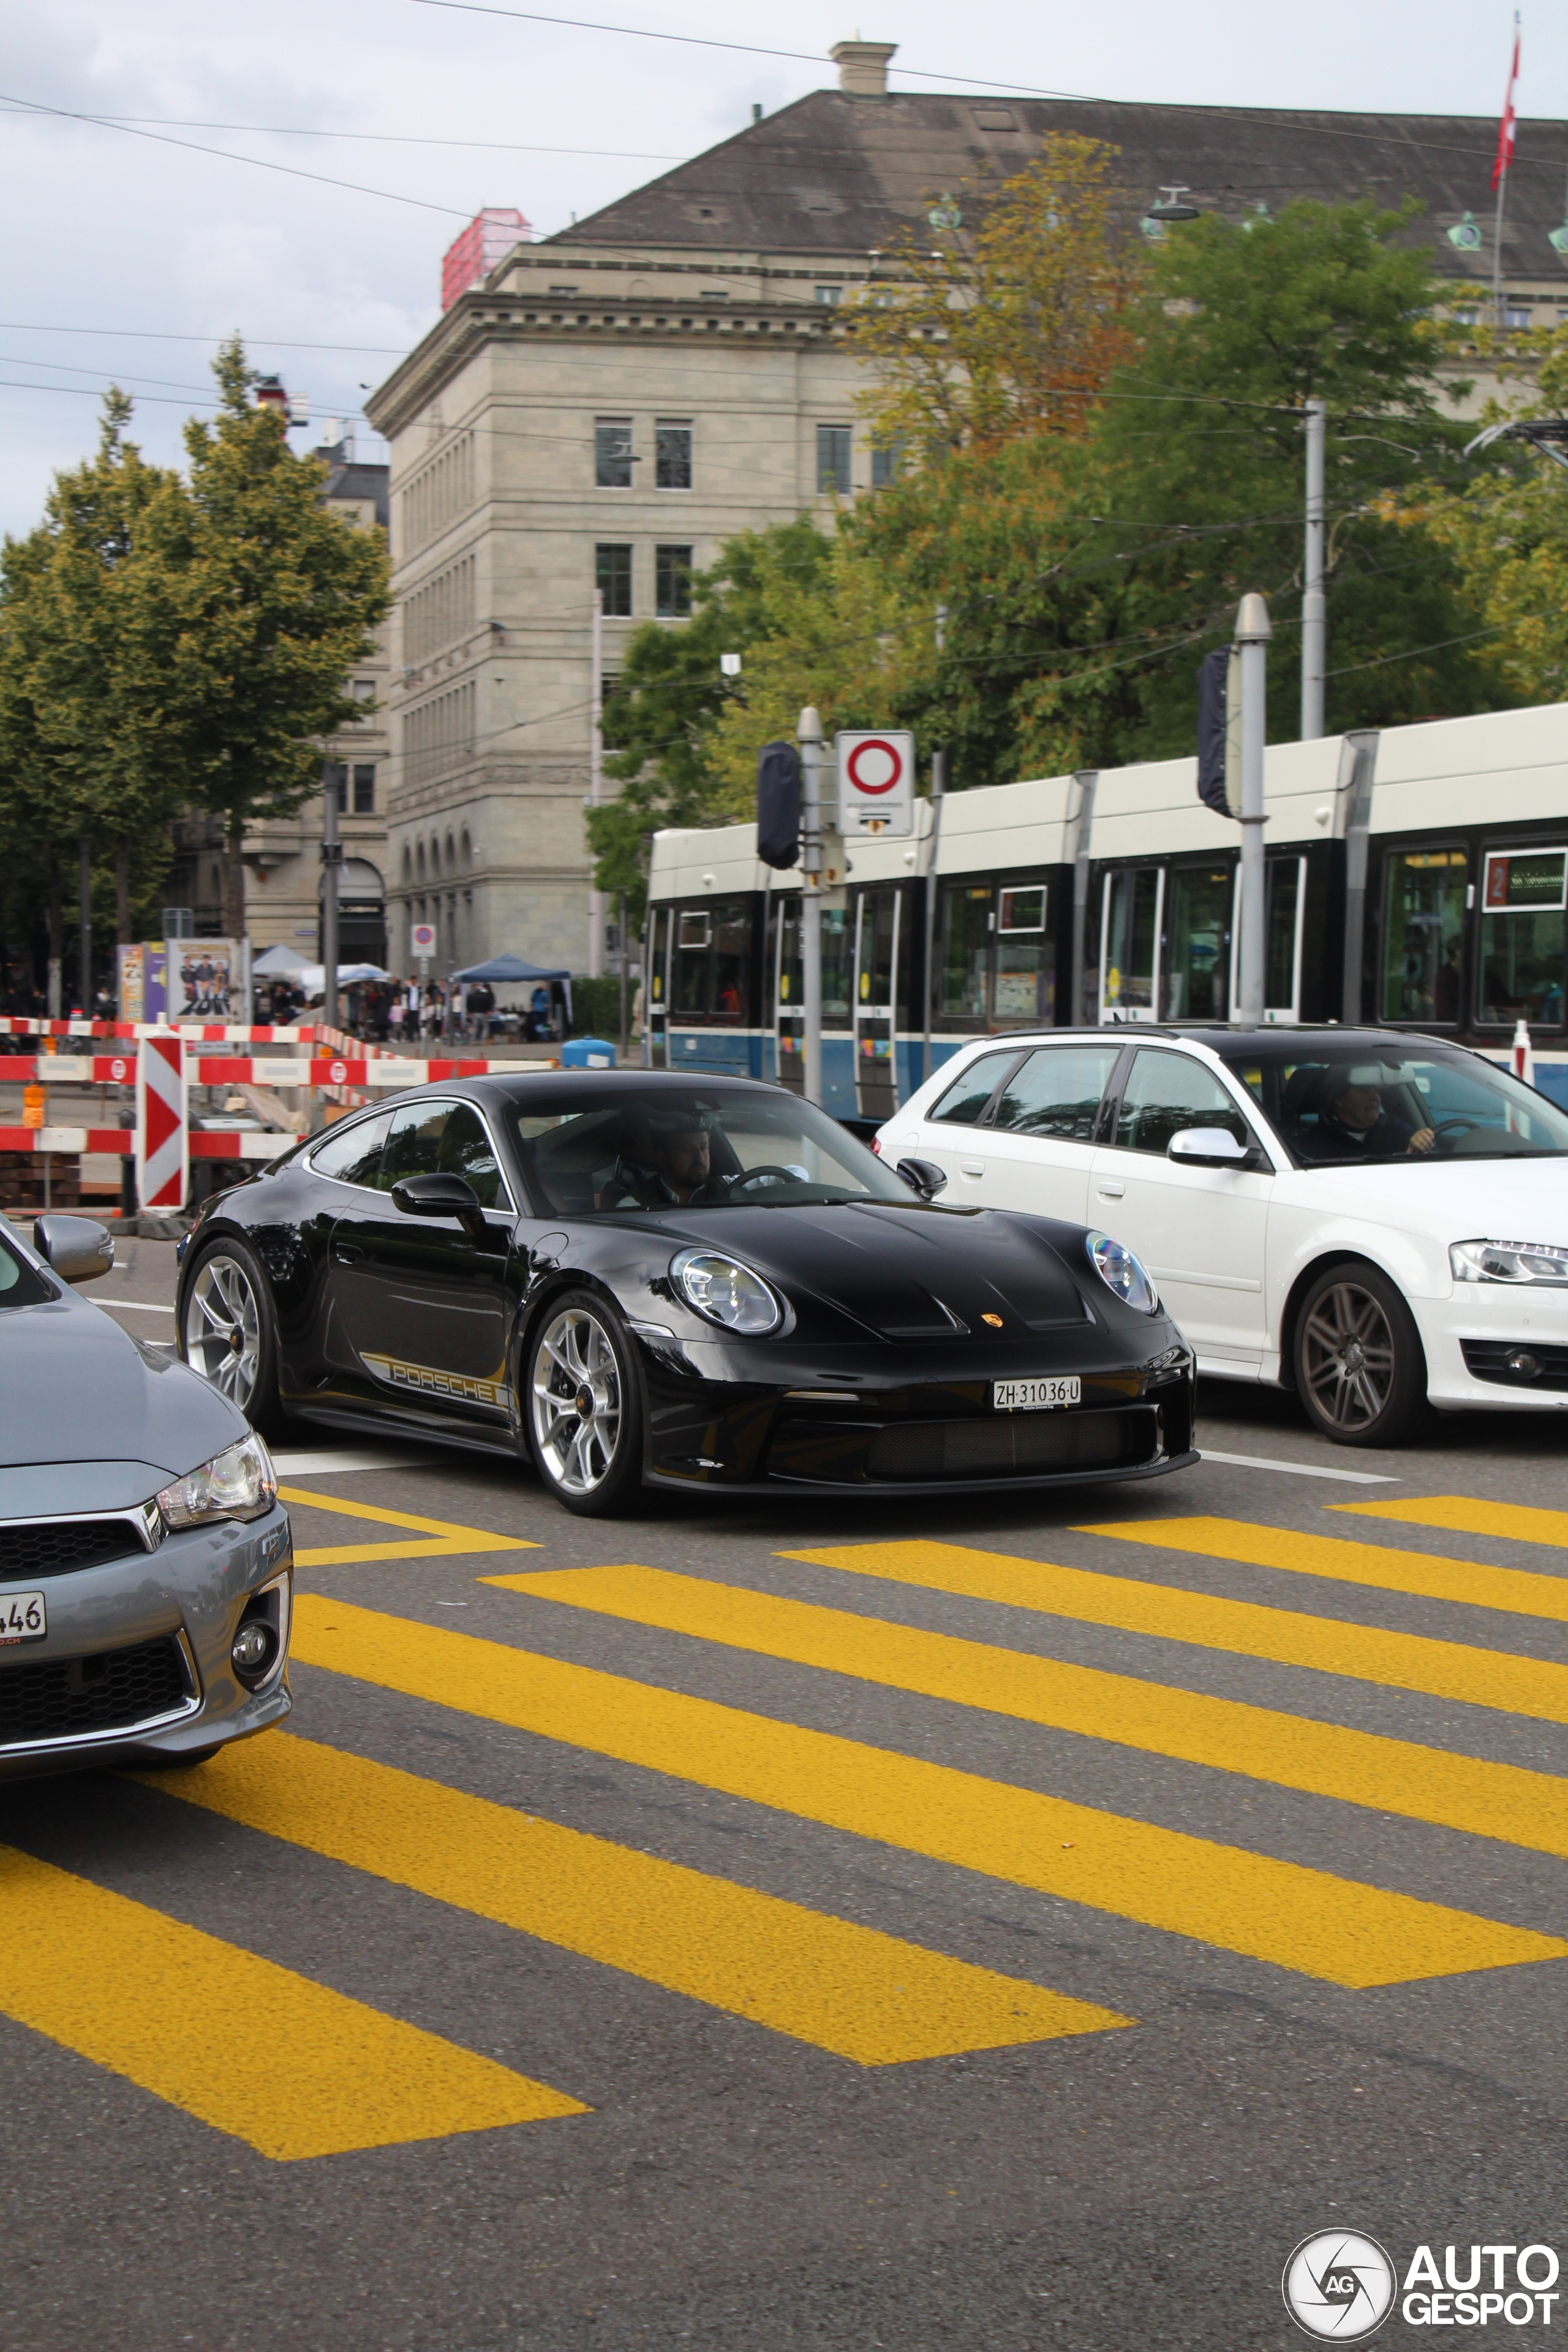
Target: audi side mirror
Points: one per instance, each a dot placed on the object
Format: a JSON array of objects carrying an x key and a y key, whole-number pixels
[
  {"x": 77, "y": 1248},
  {"x": 923, "y": 1176},
  {"x": 1212, "y": 1147},
  {"x": 441, "y": 1196}
]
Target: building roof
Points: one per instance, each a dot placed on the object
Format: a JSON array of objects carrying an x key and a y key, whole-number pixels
[
  {"x": 347, "y": 478},
  {"x": 837, "y": 174}
]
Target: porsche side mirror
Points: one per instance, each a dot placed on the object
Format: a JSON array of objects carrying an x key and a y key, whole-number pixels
[
  {"x": 441, "y": 1196},
  {"x": 923, "y": 1176},
  {"x": 1212, "y": 1147},
  {"x": 79, "y": 1248}
]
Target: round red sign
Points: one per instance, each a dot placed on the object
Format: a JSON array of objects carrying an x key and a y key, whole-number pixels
[{"x": 874, "y": 766}]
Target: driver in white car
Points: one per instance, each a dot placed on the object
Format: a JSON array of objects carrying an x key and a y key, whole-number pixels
[{"x": 1353, "y": 1125}]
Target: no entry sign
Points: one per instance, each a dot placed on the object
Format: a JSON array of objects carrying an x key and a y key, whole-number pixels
[{"x": 876, "y": 784}]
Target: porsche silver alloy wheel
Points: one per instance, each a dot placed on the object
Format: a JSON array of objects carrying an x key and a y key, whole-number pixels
[
  {"x": 577, "y": 1404},
  {"x": 223, "y": 1328},
  {"x": 1348, "y": 1356}
]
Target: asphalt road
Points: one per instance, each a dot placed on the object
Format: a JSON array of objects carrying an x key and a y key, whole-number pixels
[{"x": 994, "y": 1926}]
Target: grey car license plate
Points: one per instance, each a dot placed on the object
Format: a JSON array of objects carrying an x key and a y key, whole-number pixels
[
  {"x": 1035, "y": 1396},
  {"x": 23, "y": 1618}
]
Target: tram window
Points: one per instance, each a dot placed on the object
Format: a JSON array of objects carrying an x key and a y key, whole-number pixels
[
  {"x": 972, "y": 1089},
  {"x": 837, "y": 946},
  {"x": 731, "y": 942},
  {"x": 1522, "y": 936},
  {"x": 1024, "y": 982},
  {"x": 874, "y": 982},
  {"x": 965, "y": 951},
  {"x": 693, "y": 946},
  {"x": 1129, "y": 939},
  {"x": 1057, "y": 1092},
  {"x": 1194, "y": 977},
  {"x": 1284, "y": 881},
  {"x": 1422, "y": 931},
  {"x": 1167, "y": 1093},
  {"x": 660, "y": 952}
]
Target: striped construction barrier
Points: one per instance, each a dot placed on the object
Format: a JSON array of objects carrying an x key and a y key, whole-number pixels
[
  {"x": 244, "y": 1070},
  {"x": 123, "y": 1142}
]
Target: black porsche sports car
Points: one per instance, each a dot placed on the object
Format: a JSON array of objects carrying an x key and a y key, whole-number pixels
[{"x": 635, "y": 1277}]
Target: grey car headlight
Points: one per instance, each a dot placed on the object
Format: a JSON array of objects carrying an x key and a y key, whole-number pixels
[
  {"x": 726, "y": 1292},
  {"x": 1516, "y": 1261},
  {"x": 237, "y": 1483},
  {"x": 1120, "y": 1271}
]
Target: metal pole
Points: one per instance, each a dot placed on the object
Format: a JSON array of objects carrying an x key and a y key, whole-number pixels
[
  {"x": 1314, "y": 603},
  {"x": 809, "y": 734},
  {"x": 621, "y": 937},
  {"x": 1253, "y": 632},
  {"x": 938, "y": 794},
  {"x": 595, "y": 778},
  {"x": 331, "y": 863},
  {"x": 84, "y": 928}
]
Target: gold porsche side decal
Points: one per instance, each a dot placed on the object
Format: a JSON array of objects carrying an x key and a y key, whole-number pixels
[{"x": 428, "y": 1381}]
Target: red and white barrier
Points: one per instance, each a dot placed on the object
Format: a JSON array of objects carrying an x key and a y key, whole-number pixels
[
  {"x": 162, "y": 1125},
  {"x": 243, "y": 1070}
]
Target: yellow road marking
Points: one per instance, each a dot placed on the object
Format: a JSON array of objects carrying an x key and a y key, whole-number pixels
[
  {"x": 274, "y": 2059},
  {"x": 850, "y": 1989},
  {"x": 1277, "y": 1911},
  {"x": 1367, "y": 1653},
  {"x": 447, "y": 1538},
  {"x": 1468, "y": 1516},
  {"x": 1344, "y": 1561},
  {"x": 1360, "y": 1768}
]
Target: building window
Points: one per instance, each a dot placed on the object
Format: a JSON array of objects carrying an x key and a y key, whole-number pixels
[
  {"x": 335, "y": 779},
  {"x": 672, "y": 583},
  {"x": 829, "y": 294},
  {"x": 613, "y": 452},
  {"x": 365, "y": 788},
  {"x": 1515, "y": 314},
  {"x": 833, "y": 461},
  {"x": 672, "y": 461},
  {"x": 613, "y": 578},
  {"x": 887, "y": 458}
]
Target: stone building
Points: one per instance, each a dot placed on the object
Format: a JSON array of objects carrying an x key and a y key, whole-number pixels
[{"x": 609, "y": 405}]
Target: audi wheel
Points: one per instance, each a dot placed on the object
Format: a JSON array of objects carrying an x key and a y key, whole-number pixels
[{"x": 1359, "y": 1365}]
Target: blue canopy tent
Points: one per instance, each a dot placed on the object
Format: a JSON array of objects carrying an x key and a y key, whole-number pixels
[{"x": 509, "y": 970}]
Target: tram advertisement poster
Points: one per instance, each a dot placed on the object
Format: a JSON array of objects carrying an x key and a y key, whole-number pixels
[{"x": 876, "y": 784}]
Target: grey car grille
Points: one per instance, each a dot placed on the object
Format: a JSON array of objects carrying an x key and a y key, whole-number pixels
[
  {"x": 115, "y": 1690},
  {"x": 30, "y": 1547}
]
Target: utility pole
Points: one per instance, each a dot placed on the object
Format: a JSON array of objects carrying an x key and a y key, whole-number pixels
[
  {"x": 938, "y": 792},
  {"x": 1314, "y": 603},
  {"x": 1253, "y": 631},
  {"x": 84, "y": 928},
  {"x": 808, "y": 734},
  {"x": 332, "y": 866},
  {"x": 596, "y": 780}
]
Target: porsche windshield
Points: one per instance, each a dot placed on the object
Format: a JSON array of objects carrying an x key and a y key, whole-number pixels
[
  {"x": 1378, "y": 1099},
  {"x": 590, "y": 1150}
]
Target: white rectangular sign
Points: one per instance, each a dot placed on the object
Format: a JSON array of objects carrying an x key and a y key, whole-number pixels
[
  {"x": 876, "y": 784},
  {"x": 422, "y": 938}
]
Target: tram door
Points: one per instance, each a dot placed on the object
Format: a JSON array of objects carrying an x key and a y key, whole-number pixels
[
  {"x": 656, "y": 994},
  {"x": 876, "y": 1003},
  {"x": 789, "y": 1001}
]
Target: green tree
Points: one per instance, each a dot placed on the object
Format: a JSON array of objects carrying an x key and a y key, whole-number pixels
[{"x": 253, "y": 603}]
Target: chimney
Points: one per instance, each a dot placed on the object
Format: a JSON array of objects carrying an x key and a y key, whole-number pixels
[{"x": 863, "y": 66}]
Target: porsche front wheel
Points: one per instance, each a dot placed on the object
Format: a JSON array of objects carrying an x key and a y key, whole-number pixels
[
  {"x": 227, "y": 1333},
  {"x": 583, "y": 1406}
]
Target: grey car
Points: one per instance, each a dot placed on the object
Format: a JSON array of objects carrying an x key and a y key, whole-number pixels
[{"x": 146, "y": 1565}]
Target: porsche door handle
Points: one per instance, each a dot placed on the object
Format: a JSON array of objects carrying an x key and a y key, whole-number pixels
[
  {"x": 347, "y": 1252},
  {"x": 1109, "y": 1191}
]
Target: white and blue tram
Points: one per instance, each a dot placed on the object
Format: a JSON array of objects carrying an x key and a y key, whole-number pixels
[{"x": 1415, "y": 877}]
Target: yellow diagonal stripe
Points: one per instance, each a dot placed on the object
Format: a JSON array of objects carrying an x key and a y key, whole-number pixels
[
  {"x": 1360, "y": 1768},
  {"x": 863, "y": 1995},
  {"x": 1277, "y": 1911},
  {"x": 1467, "y": 1515},
  {"x": 1342, "y": 1561},
  {"x": 446, "y": 1536},
  {"x": 1367, "y": 1653},
  {"x": 273, "y": 2059}
]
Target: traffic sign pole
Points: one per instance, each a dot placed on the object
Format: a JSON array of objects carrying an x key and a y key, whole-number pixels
[{"x": 809, "y": 733}]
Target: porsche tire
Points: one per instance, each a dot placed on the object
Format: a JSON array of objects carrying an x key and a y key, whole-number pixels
[
  {"x": 582, "y": 1406},
  {"x": 228, "y": 1332}
]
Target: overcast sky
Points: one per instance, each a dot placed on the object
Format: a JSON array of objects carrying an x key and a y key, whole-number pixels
[{"x": 158, "y": 250}]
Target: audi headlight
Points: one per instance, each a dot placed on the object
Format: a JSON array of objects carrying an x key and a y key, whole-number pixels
[
  {"x": 1535, "y": 1262},
  {"x": 237, "y": 1483},
  {"x": 727, "y": 1293},
  {"x": 1120, "y": 1271}
]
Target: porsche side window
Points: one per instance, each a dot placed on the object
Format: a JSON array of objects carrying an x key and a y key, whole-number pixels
[
  {"x": 1165, "y": 1094},
  {"x": 967, "y": 1096},
  {"x": 443, "y": 1138},
  {"x": 353, "y": 1156},
  {"x": 1057, "y": 1092}
]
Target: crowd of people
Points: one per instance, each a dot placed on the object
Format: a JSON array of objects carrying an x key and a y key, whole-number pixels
[{"x": 407, "y": 1012}]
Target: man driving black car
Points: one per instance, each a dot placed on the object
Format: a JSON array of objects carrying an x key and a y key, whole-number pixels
[{"x": 669, "y": 1163}]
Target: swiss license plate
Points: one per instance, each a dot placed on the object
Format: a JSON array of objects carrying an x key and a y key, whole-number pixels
[
  {"x": 1035, "y": 1396},
  {"x": 22, "y": 1618}
]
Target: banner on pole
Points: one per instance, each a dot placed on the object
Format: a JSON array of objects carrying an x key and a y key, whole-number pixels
[{"x": 162, "y": 1127}]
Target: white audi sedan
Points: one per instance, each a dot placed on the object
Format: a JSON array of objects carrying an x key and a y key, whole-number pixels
[{"x": 1376, "y": 1219}]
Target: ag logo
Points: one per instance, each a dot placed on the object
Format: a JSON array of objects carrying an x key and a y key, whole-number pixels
[{"x": 1339, "y": 2287}]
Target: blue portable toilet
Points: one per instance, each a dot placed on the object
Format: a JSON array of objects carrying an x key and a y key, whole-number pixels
[{"x": 587, "y": 1054}]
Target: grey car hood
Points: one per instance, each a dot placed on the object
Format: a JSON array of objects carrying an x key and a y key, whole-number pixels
[{"x": 75, "y": 1388}]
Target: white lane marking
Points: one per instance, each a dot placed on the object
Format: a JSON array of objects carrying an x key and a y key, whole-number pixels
[
  {"x": 1298, "y": 1469},
  {"x": 333, "y": 1465}
]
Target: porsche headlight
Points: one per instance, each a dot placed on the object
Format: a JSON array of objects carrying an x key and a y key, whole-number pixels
[
  {"x": 1120, "y": 1271},
  {"x": 237, "y": 1483},
  {"x": 1518, "y": 1262},
  {"x": 726, "y": 1293}
]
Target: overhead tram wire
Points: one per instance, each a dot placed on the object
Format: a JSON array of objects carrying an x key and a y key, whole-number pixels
[{"x": 376, "y": 138}]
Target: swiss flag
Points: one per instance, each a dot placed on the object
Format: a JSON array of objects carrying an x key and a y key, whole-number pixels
[{"x": 1505, "y": 128}]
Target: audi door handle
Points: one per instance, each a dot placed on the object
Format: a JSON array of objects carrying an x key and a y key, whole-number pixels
[
  {"x": 972, "y": 1167},
  {"x": 1110, "y": 1192},
  {"x": 347, "y": 1252}
]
